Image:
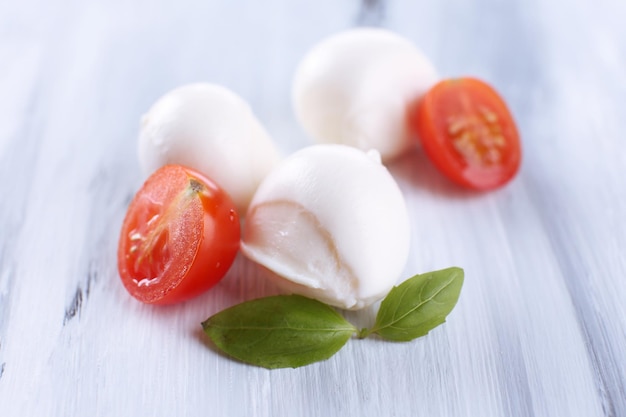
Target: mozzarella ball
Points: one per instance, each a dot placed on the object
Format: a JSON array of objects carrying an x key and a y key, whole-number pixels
[
  {"x": 330, "y": 223},
  {"x": 354, "y": 88},
  {"x": 208, "y": 128}
]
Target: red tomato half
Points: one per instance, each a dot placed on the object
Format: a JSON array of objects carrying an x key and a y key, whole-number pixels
[
  {"x": 468, "y": 132},
  {"x": 179, "y": 238}
]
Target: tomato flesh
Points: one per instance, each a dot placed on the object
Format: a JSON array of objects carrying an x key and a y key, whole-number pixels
[
  {"x": 468, "y": 132},
  {"x": 179, "y": 237}
]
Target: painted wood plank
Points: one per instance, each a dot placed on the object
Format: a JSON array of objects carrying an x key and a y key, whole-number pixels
[{"x": 541, "y": 325}]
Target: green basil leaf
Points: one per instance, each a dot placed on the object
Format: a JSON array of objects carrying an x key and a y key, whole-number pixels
[
  {"x": 418, "y": 305},
  {"x": 280, "y": 331}
]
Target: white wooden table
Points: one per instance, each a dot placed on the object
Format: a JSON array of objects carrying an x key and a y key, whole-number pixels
[{"x": 540, "y": 329}]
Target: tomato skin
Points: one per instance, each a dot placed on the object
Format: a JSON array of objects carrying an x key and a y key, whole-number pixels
[
  {"x": 468, "y": 132},
  {"x": 179, "y": 237}
]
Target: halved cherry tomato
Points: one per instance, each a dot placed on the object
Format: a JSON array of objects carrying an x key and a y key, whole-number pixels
[
  {"x": 468, "y": 132},
  {"x": 179, "y": 238}
]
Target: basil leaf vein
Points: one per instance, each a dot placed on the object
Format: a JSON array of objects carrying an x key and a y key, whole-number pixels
[
  {"x": 280, "y": 331},
  {"x": 418, "y": 305}
]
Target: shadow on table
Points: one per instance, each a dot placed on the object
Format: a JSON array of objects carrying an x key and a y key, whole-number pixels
[{"x": 416, "y": 171}]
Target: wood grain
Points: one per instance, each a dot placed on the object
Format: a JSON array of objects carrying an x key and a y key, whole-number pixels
[{"x": 540, "y": 329}]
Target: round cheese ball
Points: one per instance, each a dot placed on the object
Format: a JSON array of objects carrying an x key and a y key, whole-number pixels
[
  {"x": 212, "y": 130},
  {"x": 354, "y": 88},
  {"x": 330, "y": 223}
]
